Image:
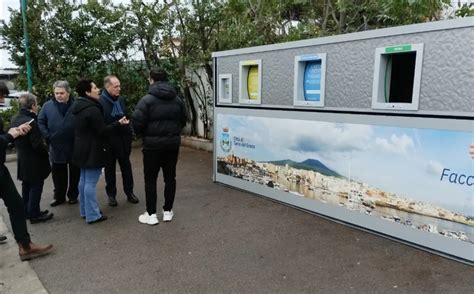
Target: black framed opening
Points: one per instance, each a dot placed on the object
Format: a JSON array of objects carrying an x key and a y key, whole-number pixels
[{"x": 402, "y": 77}]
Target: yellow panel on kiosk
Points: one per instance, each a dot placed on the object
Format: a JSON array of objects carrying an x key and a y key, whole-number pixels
[{"x": 252, "y": 82}]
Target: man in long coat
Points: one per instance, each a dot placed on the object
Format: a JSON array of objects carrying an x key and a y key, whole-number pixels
[
  {"x": 56, "y": 123},
  {"x": 118, "y": 143}
]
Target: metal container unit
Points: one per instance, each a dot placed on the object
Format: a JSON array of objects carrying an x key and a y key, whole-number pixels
[{"x": 369, "y": 129}]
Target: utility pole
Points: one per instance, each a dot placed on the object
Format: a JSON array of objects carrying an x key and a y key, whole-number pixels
[{"x": 27, "y": 48}]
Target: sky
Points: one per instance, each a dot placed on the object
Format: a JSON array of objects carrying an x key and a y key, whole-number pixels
[
  {"x": 5, "y": 15},
  {"x": 4, "y": 4},
  {"x": 406, "y": 161}
]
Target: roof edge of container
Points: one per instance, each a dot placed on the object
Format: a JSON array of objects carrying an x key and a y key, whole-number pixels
[{"x": 371, "y": 34}]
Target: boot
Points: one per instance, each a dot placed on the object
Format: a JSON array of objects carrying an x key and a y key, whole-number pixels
[
  {"x": 57, "y": 202},
  {"x": 132, "y": 198},
  {"x": 33, "y": 250},
  {"x": 112, "y": 201},
  {"x": 41, "y": 218}
]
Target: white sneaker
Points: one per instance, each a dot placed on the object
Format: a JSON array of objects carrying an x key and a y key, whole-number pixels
[
  {"x": 167, "y": 216},
  {"x": 145, "y": 218}
]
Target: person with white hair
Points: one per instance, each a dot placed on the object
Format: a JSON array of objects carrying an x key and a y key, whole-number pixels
[
  {"x": 32, "y": 159},
  {"x": 118, "y": 143}
]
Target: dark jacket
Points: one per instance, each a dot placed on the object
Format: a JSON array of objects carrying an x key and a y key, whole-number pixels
[
  {"x": 159, "y": 117},
  {"x": 32, "y": 152},
  {"x": 90, "y": 130},
  {"x": 58, "y": 129},
  {"x": 118, "y": 141},
  {"x": 5, "y": 139}
]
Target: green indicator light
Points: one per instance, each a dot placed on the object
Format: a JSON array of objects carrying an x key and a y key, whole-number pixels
[{"x": 395, "y": 49}]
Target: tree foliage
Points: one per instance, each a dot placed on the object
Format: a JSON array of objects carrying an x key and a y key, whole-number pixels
[{"x": 68, "y": 41}]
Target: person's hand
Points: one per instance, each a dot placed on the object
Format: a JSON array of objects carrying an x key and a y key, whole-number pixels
[
  {"x": 20, "y": 130},
  {"x": 14, "y": 132},
  {"x": 471, "y": 150},
  {"x": 124, "y": 121},
  {"x": 25, "y": 128}
]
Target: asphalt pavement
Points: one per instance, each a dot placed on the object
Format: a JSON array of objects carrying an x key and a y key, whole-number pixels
[{"x": 221, "y": 240}]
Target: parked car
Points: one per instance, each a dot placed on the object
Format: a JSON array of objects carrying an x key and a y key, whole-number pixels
[{"x": 14, "y": 95}]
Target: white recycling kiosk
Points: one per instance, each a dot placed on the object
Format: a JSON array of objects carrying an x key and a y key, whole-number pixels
[{"x": 370, "y": 129}]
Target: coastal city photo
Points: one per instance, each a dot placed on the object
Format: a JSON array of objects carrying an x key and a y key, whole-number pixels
[{"x": 322, "y": 162}]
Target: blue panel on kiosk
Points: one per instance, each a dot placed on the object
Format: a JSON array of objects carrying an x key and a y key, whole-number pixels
[{"x": 312, "y": 80}]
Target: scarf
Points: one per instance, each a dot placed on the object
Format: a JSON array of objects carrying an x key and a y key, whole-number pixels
[
  {"x": 63, "y": 107},
  {"x": 117, "y": 111}
]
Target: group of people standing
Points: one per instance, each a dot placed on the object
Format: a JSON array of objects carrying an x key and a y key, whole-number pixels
[{"x": 75, "y": 138}]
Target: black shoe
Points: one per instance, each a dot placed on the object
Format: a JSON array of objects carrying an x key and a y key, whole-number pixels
[
  {"x": 100, "y": 219},
  {"x": 43, "y": 212},
  {"x": 112, "y": 201},
  {"x": 85, "y": 217},
  {"x": 57, "y": 202},
  {"x": 2, "y": 238},
  {"x": 132, "y": 198},
  {"x": 72, "y": 201},
  {"x": 41, "y": 218}
]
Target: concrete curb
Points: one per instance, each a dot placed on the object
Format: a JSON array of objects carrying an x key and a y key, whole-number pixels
[
  {"x": 197, "y": 143},
  {"x": 192, "y": 142},
  {"x": 16, "y": 276}
]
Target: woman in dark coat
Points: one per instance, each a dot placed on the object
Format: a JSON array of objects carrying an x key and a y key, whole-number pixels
[
  {"x": 33, "y": 160},
  {"x": 89, "y": 153}
]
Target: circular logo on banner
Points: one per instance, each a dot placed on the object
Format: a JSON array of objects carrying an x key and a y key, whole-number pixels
[{"x": 226, "y": 143}]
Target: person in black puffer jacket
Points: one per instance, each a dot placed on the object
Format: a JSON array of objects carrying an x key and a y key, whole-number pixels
[
  {"x": 89, "y": 153},
  {"x": 159, "y": 118}
]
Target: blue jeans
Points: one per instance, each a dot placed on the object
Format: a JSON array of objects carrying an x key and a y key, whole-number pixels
[{"x": 87, "y": 193}]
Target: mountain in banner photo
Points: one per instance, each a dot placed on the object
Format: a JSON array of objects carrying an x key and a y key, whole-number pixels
[{"x": 309, "y": 164}]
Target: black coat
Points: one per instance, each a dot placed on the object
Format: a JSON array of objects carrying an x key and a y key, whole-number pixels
[
  {"x": 5, "y": 139},
  {"x": 32, "y": 152},
  {"x": 90, "y": 130},
  {"x": 119, "y": 140},
  {"x": 159, "y": 117},
  {"x": 58, "y": 129}
]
